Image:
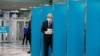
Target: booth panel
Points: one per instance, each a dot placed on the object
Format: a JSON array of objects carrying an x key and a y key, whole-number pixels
[
  {"x": 76, "y": 29},
  {"x": 36, "y": 29},
  {"x": 60, "y": 29},
  {"x": 93, "y": 28},
  {"x": 45, "y": 10}
]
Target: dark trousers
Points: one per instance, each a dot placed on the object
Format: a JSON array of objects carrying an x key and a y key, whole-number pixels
[
  {"x": 25, "y": 38},
  {"x": 47, "y": 44},
  {"x": 29, "y": 39}
]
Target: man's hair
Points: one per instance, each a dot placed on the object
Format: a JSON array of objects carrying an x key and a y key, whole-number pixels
[
  {"x": 26, "y": 22},
  {"x": 50, "y": 14}
]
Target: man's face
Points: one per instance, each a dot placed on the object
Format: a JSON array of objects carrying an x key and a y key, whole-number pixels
[
  {"x": 26, "y": 24},
  {"x": 49, "y": 17}
]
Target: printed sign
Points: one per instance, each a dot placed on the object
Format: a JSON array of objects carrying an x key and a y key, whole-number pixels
[{"x": 4, "y": 29}]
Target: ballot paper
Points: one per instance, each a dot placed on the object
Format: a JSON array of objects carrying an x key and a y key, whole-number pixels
[{"x": 49, "y": 31}]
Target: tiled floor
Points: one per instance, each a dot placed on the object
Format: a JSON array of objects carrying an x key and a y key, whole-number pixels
[{"x": 14, "y": 49}]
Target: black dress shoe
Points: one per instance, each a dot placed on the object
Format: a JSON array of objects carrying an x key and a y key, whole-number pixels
[{"x": 28, "y": 52}]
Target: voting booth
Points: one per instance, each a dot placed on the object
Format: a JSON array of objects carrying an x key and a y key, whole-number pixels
[
  {"x": 93, "y": 28},
  {"x": 39, "y": 15},
  {"x": 75, "y": 38},
  {"x": 36, "y": 31},
  {"x": 45, "y": 10},
  {"x": 60, "y": 29},
  {"x": 70, "y": 21},
  {"x": 68, "y": 30}
]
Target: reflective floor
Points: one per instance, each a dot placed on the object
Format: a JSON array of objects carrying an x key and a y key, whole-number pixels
[{"x": 14, "y": 49}]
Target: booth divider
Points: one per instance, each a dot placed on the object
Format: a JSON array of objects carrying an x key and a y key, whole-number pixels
[
  {"x": 60, "y": 29},
  {"x": 93, "y": 28},
  {"x": 75, "y": 37},
  {"x": 36, "y": 31}
]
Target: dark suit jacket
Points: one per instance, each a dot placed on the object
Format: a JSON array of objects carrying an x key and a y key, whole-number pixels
[
  {"x": 29, "y": 30},
  {"x": 45, "y": 27}
]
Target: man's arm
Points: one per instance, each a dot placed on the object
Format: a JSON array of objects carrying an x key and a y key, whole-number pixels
[{"x": 43, "y": 27}]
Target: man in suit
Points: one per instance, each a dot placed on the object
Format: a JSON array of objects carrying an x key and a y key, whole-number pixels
[
  {"x": 47, "y": 31},
  {"x": 29, "y": 35}
]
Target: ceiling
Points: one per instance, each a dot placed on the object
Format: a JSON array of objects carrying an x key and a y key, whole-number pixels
[{"x": 11, "y": 5}]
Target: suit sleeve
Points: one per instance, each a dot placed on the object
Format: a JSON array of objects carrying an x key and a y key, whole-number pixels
[
  {"x": 29, "y": 29},
  {"x": 43, "y": 27}
]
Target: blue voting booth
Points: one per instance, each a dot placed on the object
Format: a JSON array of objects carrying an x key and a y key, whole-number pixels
[
  {"x": 39, "y": 15},
  {"x": 68, "y": 28},
  {"x": 93, "y": 28},
  {"x": 75, "y": 45},
  {"x": 36, "y": 31},
  {"x": 45, "y": 9},
  {"x": 60, "y": 29},
  {"x": 65, "y": 43}
]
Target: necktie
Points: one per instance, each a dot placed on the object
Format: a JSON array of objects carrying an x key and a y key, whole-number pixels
[{"x": 49, "y": 23}]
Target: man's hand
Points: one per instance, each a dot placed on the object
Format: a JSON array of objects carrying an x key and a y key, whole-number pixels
[{"x": 46, "y": 32}]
